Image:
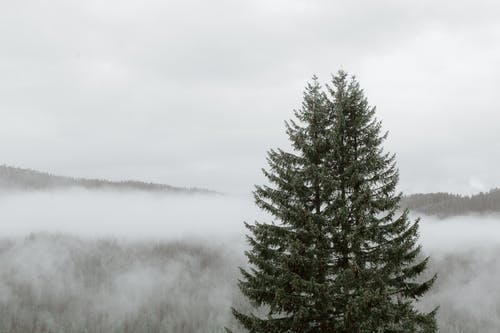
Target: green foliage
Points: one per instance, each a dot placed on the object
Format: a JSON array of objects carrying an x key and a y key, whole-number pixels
[{"x": 338, "y": 257}]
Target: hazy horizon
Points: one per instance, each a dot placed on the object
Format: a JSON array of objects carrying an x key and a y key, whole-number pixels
[
  {"x": 164, "y": 216},
  {"x": 202, "y": 190}
]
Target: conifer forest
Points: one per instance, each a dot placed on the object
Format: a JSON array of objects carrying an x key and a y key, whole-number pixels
[{"x": 301, "y": 166}]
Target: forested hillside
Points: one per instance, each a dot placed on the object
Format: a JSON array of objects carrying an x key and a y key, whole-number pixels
[
  {"x": 446, "y": 204},
  {"x": 12, "y": 178}
]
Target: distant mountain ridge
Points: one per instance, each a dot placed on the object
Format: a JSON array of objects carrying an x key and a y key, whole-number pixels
[
  {"x": 446, "y": 205},
  {"x": 14, "y": 178}
]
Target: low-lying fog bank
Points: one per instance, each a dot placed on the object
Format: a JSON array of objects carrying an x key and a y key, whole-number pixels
[
  {"x": 459, "y": 234},
  {"x": 84, "y": 261},
  {"x": 129, "y": 215}
]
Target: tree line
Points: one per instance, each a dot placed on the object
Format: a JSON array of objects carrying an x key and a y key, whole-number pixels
[
  {"x": 13, "y": 178},
  {"x": 446, "y": 204}
]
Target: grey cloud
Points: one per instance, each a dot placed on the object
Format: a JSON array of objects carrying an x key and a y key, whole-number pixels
[{"x": 120, "y": 90}]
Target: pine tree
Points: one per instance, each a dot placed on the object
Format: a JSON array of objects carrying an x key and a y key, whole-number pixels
[{"x": 338, "y": 257}]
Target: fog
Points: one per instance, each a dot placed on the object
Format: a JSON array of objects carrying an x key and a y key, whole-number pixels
[
  {"x": 141, "y": 215},
  {"x": 56, "y": 283},
  {"x": 127, "y": 262},
  {"x": 128, "y": 215},
  {"x": 464, "y": 252},
  {"x": 459, "y": 234}
]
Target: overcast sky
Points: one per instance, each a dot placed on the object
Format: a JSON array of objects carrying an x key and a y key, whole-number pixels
[{"x": 193, "y": 93}]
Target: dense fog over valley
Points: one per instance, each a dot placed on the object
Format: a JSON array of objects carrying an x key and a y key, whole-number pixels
[
  {"x": 127, "y": 262},
  {"x": 143, "y": 215},
  {"x": 129, "y": 215}
]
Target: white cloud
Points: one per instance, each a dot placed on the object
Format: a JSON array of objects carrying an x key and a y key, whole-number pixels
[{"x": 110, "y": 89}]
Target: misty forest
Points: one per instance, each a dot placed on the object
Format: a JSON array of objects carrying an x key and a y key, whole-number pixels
[
  {"x": 134, "y": 257},
  {"x": 249, "y": 167}
]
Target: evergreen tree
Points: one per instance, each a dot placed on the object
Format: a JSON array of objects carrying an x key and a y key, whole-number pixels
[{"x": 338, "y": 256}]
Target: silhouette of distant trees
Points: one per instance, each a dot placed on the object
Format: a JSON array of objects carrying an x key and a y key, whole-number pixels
[
  {"x": 447, "y": 204},
  {"x": 12, "y": 178}
]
